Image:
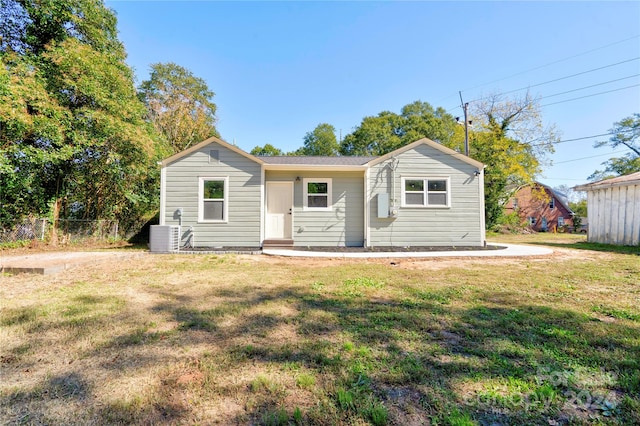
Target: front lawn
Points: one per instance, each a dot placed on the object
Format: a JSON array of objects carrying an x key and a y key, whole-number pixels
[{"x": 204, "y": 339}]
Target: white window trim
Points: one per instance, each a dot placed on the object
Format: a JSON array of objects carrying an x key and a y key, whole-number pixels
[
  {"x": 305, "y": 194},
  {"x": 225, "y": 200},
  {"x": 426, "y": 192}
]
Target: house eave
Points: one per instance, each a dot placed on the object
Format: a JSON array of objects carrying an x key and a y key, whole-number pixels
[
  {"x": 314, "y": 167},
  {"x": 594, "y": 187},
  {"x": 432, "y": 144},
  {"x": 204, "y": 143}
]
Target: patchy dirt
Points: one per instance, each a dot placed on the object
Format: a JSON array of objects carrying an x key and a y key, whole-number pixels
[
  {"x": 57, "y": 261},
  {"x": 53, "y": 262}
]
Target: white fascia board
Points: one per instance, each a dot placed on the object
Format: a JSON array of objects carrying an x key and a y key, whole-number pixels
[{"x": 320, "y": 168}]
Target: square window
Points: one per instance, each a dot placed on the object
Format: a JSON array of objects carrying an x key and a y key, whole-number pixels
[{"x": 317, "y": 194}]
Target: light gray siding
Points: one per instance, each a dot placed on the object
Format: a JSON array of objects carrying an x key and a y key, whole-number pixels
[
  {"x": 343, "y": 225},
  {"x": 242, "y": 227},
  {"x": 460, "y": 224}
]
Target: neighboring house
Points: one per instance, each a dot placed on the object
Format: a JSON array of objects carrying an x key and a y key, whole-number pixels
[
  {"x": 422, "y": 194},
  {"x": 613, "y": 209},
  {"x": 542, "y": 208}
]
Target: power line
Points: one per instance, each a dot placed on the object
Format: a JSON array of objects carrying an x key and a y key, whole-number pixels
[
  {"x": 592, "y": 156},
  {"x": 589, "y": 96},
  {"x": 589, "y": 87},
  {"x": 554, "y": 62},
  {"x": 560, "y": 78},
  {"x": 576, "y": 180},
  {"x": 583, "y": 137}
]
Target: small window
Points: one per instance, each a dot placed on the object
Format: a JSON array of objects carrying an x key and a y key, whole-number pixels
[
  {"x": 213, "y": 200},
  {"x": 317, "y": 194},
  {"x": 515, "y": 203},
  {"x": 552, "y": 203},
  {"x": 425, "y": 192},
  {"x": 532, "y": 221},
  {"x": 560, "y": 221}
]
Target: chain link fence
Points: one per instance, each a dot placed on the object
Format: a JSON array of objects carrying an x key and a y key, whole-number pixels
[
  {"x": 68, "y": 230},
  {"x": 28, "y": 229}
]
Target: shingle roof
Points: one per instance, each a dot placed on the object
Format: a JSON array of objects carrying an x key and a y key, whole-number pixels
[
  {"x": 633, "y": 178},
  {"x": 316, "y": 160}
]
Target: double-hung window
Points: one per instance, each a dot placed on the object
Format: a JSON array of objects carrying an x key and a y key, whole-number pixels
[
  {"x": 426, "y": 192},
  {"x": 213, "y": 196},
  {"x": 317, "y": 194}
]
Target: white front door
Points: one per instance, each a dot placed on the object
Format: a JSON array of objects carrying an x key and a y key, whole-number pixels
[{"x": 279, "y": 215}]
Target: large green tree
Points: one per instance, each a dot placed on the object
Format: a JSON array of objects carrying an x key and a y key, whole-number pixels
[
  {"x": 387, "y": 131},
  {"x": 320, "y": 141},
  {"x": 73, "y": 140},
  {"x": 266, "y": 150},
  {"x": 625, "y": 133},
  {"x": 180, "y": 105}
]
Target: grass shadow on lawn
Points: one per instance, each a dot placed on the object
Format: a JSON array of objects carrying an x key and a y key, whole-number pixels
[
  {"x": 380, "y": 361},
  {"x": 350, "y": 351}
]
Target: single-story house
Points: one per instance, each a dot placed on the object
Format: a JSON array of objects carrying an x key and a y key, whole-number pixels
[
  {"x": 422, "y": 194},
  {"x": 613, "y": 210},
  {"x": 543, "y": 208}
]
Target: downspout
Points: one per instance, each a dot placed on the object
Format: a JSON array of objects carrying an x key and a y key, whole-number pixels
[
  {"x": 367, "y": 201},
  {"x": 262, "y": 206},
  {"x": 163, "y": 190},
  {"x": 483, "y": 231}
]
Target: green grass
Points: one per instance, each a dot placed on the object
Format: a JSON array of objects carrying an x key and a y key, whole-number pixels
[{"x": 255, "y": 340}]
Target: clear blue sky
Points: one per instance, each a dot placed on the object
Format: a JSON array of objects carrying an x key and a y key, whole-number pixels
[{"x": 280, "y": 68}]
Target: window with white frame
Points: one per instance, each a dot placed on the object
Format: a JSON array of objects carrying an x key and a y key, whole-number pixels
[
  {"x": 317, "y": 194},
  {"x": 425, "y": 192},
  {"x": 532, "y": 221},
  {"x": 213, "y": 192},
  {"x": 552, "y": 203},
  {"x": 560, "y": 221}
]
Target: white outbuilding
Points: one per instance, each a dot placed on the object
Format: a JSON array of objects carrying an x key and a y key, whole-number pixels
[{"x": 613, "y": 209}]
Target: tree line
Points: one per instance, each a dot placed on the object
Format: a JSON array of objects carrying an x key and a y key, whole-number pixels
[{"x": 79, "y": 140}]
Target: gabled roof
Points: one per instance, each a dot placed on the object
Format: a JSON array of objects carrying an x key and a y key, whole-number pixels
[
  {"x": 317, "y": 160},
  {"x": 340, "y": 163},
  {"x": 206, "y": 142},
  {"x": 632, "y": 179},
  {"x": 557, "y": 195},
  {"x": 432, "y": 144}
]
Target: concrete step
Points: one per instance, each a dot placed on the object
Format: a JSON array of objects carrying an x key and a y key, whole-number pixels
[{"x": 278, "y": 243}]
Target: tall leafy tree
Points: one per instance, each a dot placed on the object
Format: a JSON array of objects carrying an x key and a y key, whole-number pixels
[
  {"x": 180, "y": 105},
  {"x": 625, "y": 133},
  {"x": 266, "y": 150},
  {"x": 321, "y": 141},
  {"x": 512, "y": 141},
  {"x": 72, "y": 130},
  {"x": 378, "y": 135}
]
